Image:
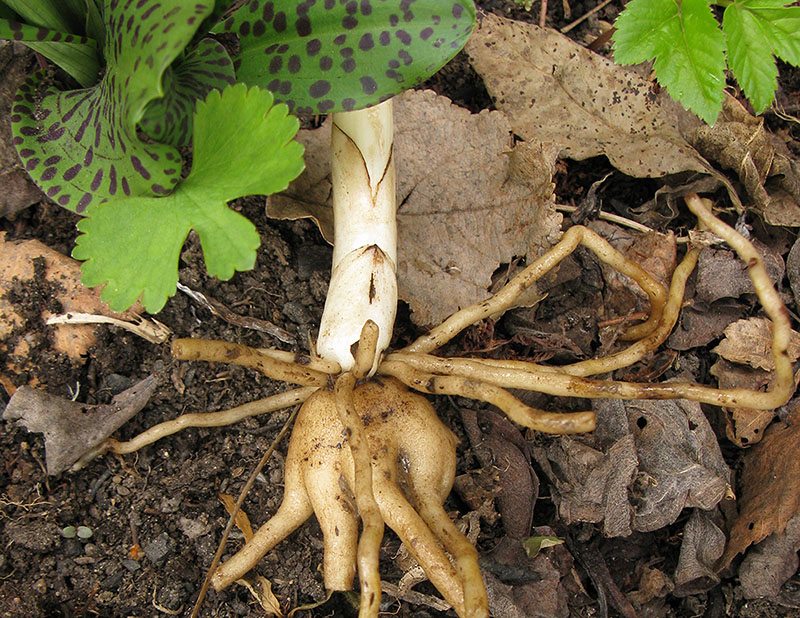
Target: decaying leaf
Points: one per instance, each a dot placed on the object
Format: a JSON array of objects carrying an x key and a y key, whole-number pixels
[
  {"x": 740, "y": 143},
  {"x": 261, "y": 589},
  {"x": 649, "y": 461},
  {"x": 749, "y": 342},
  {"x": 72, "y": 429},
  {"x": 770, "y": 494},
  {"x": 720, "y": 273},
  {"x": 745, "y": 426},
  {"x": 469, "y": 200},
  {"x": 768, "y": 565},
  {"x": 702, "y": 545},
  {"x": 699, "y": 323},
  {"x": 554, "y": 90}
]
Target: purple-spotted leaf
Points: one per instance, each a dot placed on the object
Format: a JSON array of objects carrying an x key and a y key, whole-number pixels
[
  {"x": 77, "y": 55},
  {"x": 330, "y": 55},
  {"x": 205, "y": 68},
  {"x": 81, "y": 146},
  {"x": 243, "y": 144}
]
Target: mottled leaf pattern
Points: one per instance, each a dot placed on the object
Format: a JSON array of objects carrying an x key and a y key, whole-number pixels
[
  {"x": 81, "y": 146},
  {"x": 16, "y": 31},
  {"x": 242, "y": 145},
  {"x": 207, "y": 67},
  {"x": 332, "y": 55}
]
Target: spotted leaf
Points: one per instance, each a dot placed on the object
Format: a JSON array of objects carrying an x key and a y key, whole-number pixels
[
  {"x": 169, "y": 119},
  {"x": 242, "y": 145},
  {"x": 81, "y": 146},
  {"x": 333, "y": 55},
  {"x": 77, "y": 55}
]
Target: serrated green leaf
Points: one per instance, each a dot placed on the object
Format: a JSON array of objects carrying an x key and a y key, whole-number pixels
[
  {"x": 243, "y": 144},
  {"x": 686, "y": 44},
  {"x": 750, "y": 55},
  {"x": 82, "y": 146},
  {"x": 332, "y": 56},
  {"x": 779, "y": 25},
  {"x": 206, "y": 67}
]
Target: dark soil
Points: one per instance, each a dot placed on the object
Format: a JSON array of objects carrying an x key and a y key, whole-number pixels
[{"x": 156, "y": 518}]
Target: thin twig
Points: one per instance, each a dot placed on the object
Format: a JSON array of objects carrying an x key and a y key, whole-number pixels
[
  {"x": 231, "y": 519},
  {"x": 585, "y": 16}
]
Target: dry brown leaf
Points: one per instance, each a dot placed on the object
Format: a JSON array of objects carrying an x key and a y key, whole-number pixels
[
  {"x": 770, "y": 494},
  {"x": 469, "y": 200},
  {"x": 700, "y": 324},
  {"x": 24, "y": 263},
  {"x": 740, "y": 143},
  {"x": 721, "y": 274},
  {"x": 749, "y": 342},
  {"x": 768, "y": 565},
  {"x": 241, "y": 520},
  {"x": 73, "y": 429},
  {"x": 651, "y": 459},
  {"x": 554, "y": 90},
  {"x": 745, "y": 426},
  {"x": 702, "y": 545},
  {"x": 261, "y": 589},
  {"x": 655, "y": 252},
  {"x": 18, "y": 190}
]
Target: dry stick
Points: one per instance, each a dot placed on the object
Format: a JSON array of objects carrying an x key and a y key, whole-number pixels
[
  {"x": 211, "y": 419},
  {"x": 583, "y": 17},
  {"x": 237, "y": 507},
  {"x": 577, "y": 235},
  {"x": 369, "y": 544},
  {"x": 238, "y": 354}
]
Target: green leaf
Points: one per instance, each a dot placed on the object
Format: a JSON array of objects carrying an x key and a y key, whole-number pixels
[
  {"x": 686, "y": 44},
  {"x": 242, "y": 145},
  {"x": 76, "y": 54},
  {"x": 82, "y": 146},
  {"x": 534, "y": 544},
  {"x": 50, "y": 14},
  {"x": 205, "y": 68},
  {"x": 750, "y": 56},
  {"x": 330, "y": 55},
  {"x": 755, "y": 30}
]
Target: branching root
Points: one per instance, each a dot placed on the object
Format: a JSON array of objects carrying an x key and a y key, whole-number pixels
[{"x": 368, "y": 451}]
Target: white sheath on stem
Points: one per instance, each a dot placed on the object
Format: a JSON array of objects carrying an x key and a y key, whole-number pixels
[{"x": 363, "y": 276}]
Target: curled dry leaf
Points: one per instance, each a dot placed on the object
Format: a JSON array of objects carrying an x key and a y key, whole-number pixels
[
  {"x": 556, "y": 91},
  {"x": 745, "y": 426},
  {"x": 649, "y": 461},
  {"x": 770, "y": 494},
  {"x": 739, "y": 142},
  {"x": 72, "y": 429},
  {"x": 768, "y": 565},
  {"x": 469, "y": 199},
  {"x": 720, "y": 273},
  {"x": 749, "y": 342},
  {"x": 702, "y": 545}
]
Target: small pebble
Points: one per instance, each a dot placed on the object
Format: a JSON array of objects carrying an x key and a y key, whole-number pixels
[{"x": 131, "y": 565}]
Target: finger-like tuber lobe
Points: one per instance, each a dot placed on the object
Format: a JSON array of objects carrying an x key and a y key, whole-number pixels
[{"x": 409, "y": 448}]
